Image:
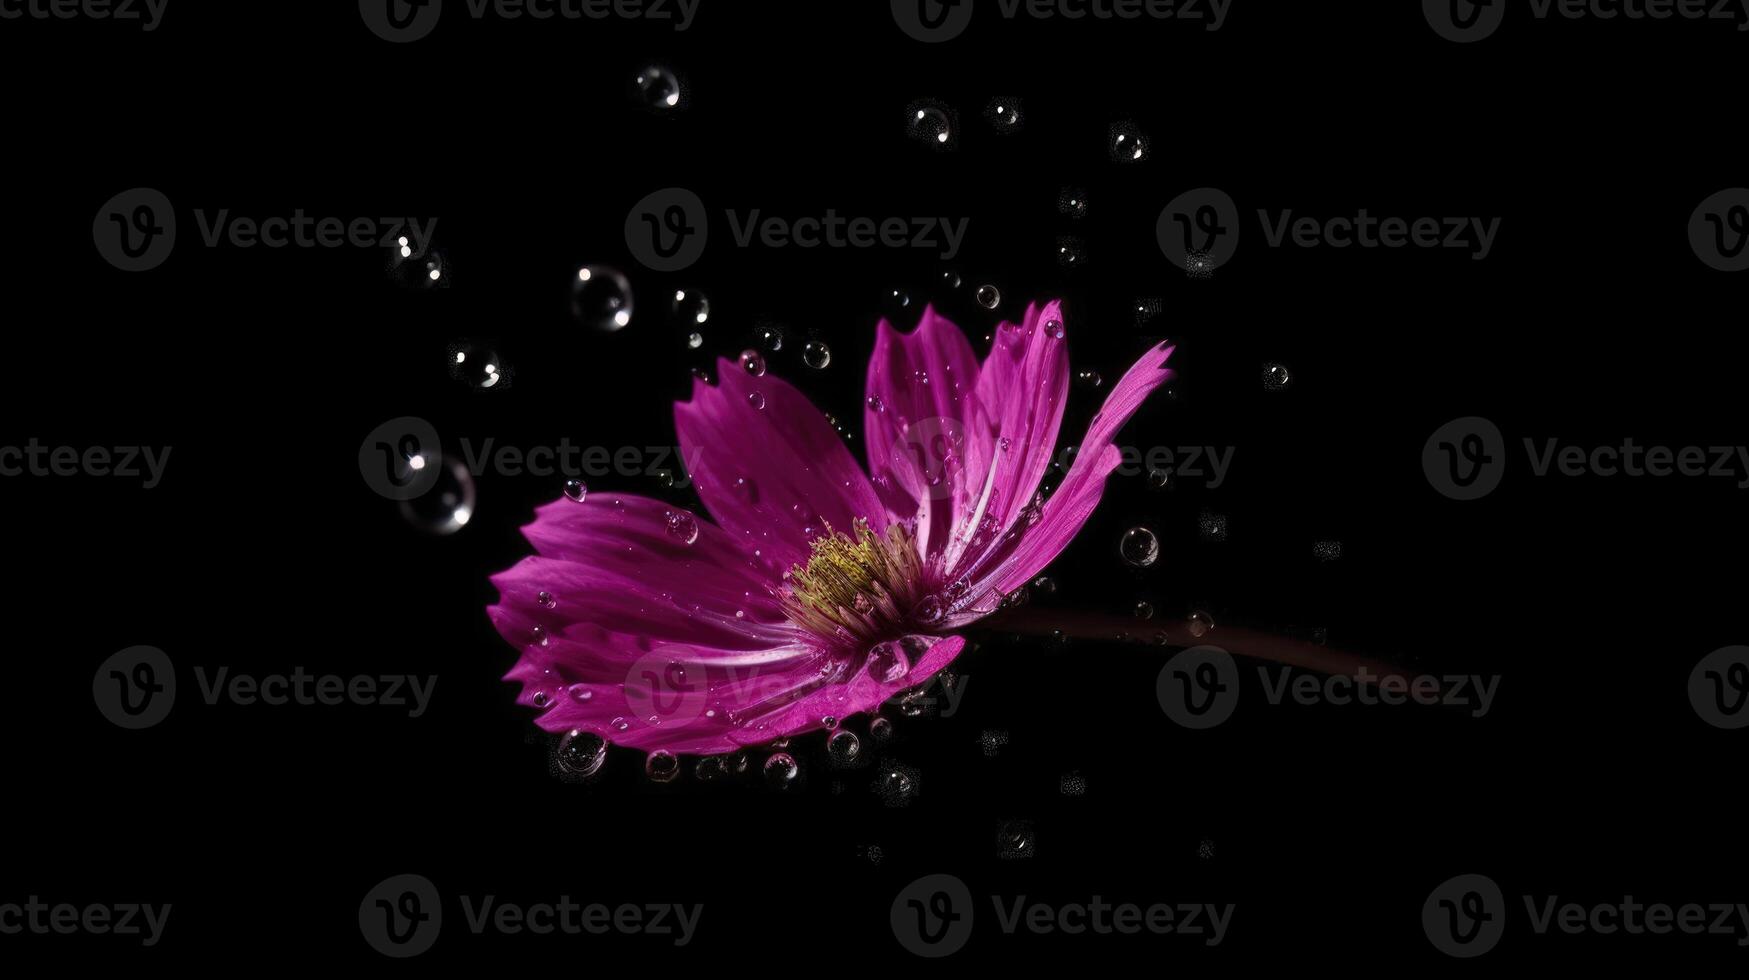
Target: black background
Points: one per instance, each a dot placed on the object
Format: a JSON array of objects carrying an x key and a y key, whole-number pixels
[{"x": 263, "y": 549}]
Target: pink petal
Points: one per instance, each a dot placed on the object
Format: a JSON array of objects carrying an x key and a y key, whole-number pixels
[
  {"x": 926, "y": 433},
  {"x": 769, "y": 467},
  {"x": 1024, "y": 384},
  {"x": 1069, "y": 508}
]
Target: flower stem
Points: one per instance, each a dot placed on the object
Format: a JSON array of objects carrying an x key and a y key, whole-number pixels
[{"x": 1245, "y": 642}]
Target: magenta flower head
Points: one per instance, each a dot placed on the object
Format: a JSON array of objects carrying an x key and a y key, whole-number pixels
[{"x": 822, "y": 590}]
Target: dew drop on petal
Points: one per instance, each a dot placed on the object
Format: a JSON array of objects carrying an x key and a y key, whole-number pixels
[
  {"x": 580, "y": 693},
  {"x": 682, "y": 527},
  {"x": 1054, "y": 328},
  {"x": 753, "y": 363},
  {"x": 875, "y": 404},
  {"x": 887, "y": 662},
  {"x": 756, "y": 399},
  {"x": 1139, "y": 547},
  {"x": 929, "y": 611},
  {"x": 576, "y": 490},
  {"x": 547, "y": 599}
]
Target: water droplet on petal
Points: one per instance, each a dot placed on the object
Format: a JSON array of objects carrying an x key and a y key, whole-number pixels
[
  {"x": 887, "y": 662},
  {"x": 547, "y": 599},
  {"x": 756, "y": 399},
  {"x": 753, "y": 363},
  {"x": 1054, "y": 328},
  {"x": 682, "y": 527},
  {"x": 576, "y": 490},
  {"x": 580, "y": 693},
  {"x": 1139, "y": 547},
  {"x": 929, "y": 611},
  {"x": 876, "y": 405}
]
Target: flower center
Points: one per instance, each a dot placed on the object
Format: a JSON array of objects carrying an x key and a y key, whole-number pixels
[{"x": 856, "y": 590}]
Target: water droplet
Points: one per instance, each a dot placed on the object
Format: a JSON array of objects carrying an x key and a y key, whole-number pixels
[
  {"x": 581, "y": 753},
  {"x": 1212, "y": 526},
  {"x": 1159, "y": 479},
  {"x": 844, "y": 746},
  {"x": 887, "y": 662},
  {"x": 1071, "y": 253},
  {"x": 929, "y": 122},
  {"x": 620, "y": 724},
  {"x": 1045, "y": 585},
  {"x": 576, "y": 490},
  {"x": 1054, "y": 329},
  {"x": 1004, "y": 114},
  {"x": 542, "y": 700},
  {"x": 816, "y": 355},
  {"x": 1072, "y": 202},
  {"x": 951, "y": 279},
  {"x": 1128, "y": 143},
  {"x": 771, "y": 338},
  {"x": 880, "y": 729},
  {"x": 448, "y": 506},
  {"x": 658, "y": 88},
  {"x": 1139, "y": 547},
  {"x": 781, "y": 770},
  {"x": 830, "y": 721},
  {"x": 753, "y": 363},
  {"x": 695, "y": 340},
  {"x": 756, "y": 399},
  {"x": 580, "y": 693},
  {"x": 1090, "y": 379},
  {"x": 1275, "y": 377},
  {"x": 710, "y": 767},
  {"x": 1199, "y": 623},
  {"x": 601, "y": 297},
  {"x": 682, "y": 527},
  {"x": 989, "y": 297},
  {"x": 1144, "y": 610},
  {"x": 929, "y": 611},
  {"x": 691, "y": 307},
  {"x": 476, "y": 366},
  {"x": 661, "y": 766},
  {"x": 547, "y": 599},
  {"x": 875, "y": 404}
]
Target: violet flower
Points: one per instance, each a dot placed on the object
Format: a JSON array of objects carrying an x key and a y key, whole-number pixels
[{"x": 821, "y": 591}]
